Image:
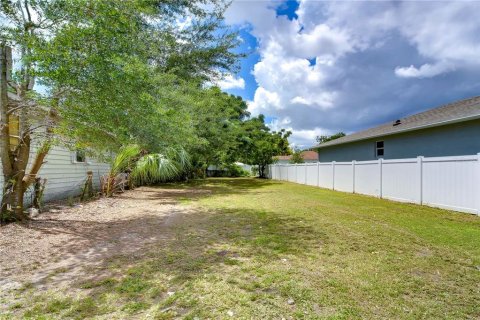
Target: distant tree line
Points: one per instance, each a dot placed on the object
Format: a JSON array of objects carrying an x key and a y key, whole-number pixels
[{"x": 326, "y": 138}]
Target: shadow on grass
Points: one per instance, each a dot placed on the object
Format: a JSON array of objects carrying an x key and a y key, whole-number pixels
[{"x": 199, "y": 244}]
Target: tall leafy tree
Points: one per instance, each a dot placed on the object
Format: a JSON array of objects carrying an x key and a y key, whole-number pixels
[
  {"x": 218, "y": 124},
  {"x": 117, "y": 72},
  {"x": 260, "y": 145}
]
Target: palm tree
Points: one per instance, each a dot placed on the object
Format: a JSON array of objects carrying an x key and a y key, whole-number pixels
[{"x": 144, "y": 169}]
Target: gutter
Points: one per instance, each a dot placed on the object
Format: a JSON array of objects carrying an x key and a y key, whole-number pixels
[{"x": 431, "y": 125}]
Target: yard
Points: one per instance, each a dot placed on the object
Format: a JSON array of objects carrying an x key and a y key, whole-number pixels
[{"x": 241, "y": 249}]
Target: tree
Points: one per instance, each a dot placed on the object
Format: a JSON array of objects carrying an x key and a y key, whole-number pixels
[
  {"x": 132, "y": 71},
  {"x": 21, "y": 109},
  {"x": 218, "y": 125},
  {"x": 116, "y": 72},
  {"x": 326, "y": 138},
  {"x": 260, "y": 146},
  {"x": 297, "y": 157}
]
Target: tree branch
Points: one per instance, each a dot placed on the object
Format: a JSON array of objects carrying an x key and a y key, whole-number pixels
[{"x": 28, "y": 11}]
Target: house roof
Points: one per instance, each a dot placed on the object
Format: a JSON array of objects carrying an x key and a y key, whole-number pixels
[
  {"x": 459, "y": 111},
  {"x": 306, "y": 155},
  {"x": 309, "y": 155}
]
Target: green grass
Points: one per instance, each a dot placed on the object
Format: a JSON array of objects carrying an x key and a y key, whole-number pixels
[{"x": 253, "y": 245}]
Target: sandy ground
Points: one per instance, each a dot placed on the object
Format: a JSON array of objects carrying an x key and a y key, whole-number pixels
[{"x": 68, "y": 243}]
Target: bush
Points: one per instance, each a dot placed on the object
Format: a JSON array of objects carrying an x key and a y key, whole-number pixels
[
  {"x": 234, "y": 170},
  {"x": 230, "y": 170}
]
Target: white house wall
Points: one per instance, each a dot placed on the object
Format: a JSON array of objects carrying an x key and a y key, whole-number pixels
[{"x": 65, "y": 177}]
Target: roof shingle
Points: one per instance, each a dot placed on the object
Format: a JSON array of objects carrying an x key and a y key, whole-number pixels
[
  {"x": 462, "y": 110},
  {"x": 306, "y": 155}
]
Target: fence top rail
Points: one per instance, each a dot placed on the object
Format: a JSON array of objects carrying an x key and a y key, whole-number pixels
[
  {"x": 366, "y": 162},
  {"x": 453, "y": 158},
  {"x": 406, "y": 160},
  {"x": 385, "y": 161}
]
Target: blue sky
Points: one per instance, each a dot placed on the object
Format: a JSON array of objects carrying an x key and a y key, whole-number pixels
[{"x": 318, "y": 67}]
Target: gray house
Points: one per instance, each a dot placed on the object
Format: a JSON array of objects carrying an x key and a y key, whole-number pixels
[{"x": 449, "y": 130}]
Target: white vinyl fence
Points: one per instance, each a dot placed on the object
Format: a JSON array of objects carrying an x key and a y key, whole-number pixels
[{"x": 445, "y": 182}]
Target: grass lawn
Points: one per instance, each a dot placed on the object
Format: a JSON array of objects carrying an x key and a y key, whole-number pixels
[{"x": 256, "y": 249}]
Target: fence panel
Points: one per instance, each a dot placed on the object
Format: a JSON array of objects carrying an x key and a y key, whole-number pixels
[
  {"x": 284, "y": 173},
  {"x": 401, "y": 180},
  {"x": 292, "y": 173},
  {"x": 367, "y": 178},
  {"x": 344, "y": 176},
  {"x": 325, "y": 175},
  {"x": 300, "y": 173},
  {"x": 312, "y": 174},
  {"x": 445, "y": 182},
  {"x": 456, "y": 188}
]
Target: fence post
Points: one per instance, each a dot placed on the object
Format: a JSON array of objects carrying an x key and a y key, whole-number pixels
[
  {"x": 380, "y": 168},
  {"x": 296, "y": 173},
  {"x": 287, "y": 173},
  {"x": 333, "y": 175},
  {"x": 318, "y": 174},
  {"x": 478, "y": 183},
  {"x": 420, "y": 178},
  {"x": 353, "y": 179},
  {"x": 306, "y": 173}
]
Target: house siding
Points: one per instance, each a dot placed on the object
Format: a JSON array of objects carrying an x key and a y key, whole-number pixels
[
  {"x": 449, "y": 140},
  {"x": 64, "y": 177}
]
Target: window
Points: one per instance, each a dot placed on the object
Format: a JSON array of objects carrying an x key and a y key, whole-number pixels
[
  {"x": 80, "y": 156},
  {"x": 379, "y": 148}
]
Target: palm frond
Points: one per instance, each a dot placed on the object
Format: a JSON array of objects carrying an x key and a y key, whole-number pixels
[
  {"x": 180, "y": 156},
  {"x": 155, "y": 168},
  {"x": 124, "y": 158}
]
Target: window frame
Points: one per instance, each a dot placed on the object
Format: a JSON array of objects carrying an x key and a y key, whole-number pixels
[
  {"x": 76, "y": 156},
  {"x": 377, "y": 148}
]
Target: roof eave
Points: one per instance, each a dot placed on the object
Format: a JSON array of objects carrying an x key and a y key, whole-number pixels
[{"x": 436, "y": 124}]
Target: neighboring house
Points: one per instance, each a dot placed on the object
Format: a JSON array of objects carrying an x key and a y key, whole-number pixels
[
  {"x": 449, "y": 130},
  {"x": 308, "y": 157},
  {"x": 65, "y": 170}
]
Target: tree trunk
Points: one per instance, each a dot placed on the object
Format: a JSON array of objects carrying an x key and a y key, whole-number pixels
[
  {"x": 7, "y": 193},
  {"x": 15, "y": 159},
  {"x": 5, "y": 152},
  {"x": 261, "y": 171},
  {"x": 19, "y": 191},
  {"x": 39, "y": 186}
]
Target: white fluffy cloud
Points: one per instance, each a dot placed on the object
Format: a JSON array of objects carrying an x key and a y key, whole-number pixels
[
  {"x": 425, "y": 71},
  {"x": 230, "y": 82},
  {"x": 367, "y": 59}
]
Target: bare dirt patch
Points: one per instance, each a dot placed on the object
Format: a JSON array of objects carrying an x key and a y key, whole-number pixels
[{"x": 67, "y": 244}]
